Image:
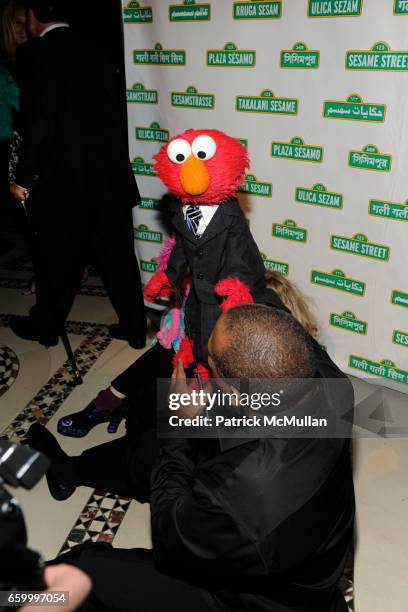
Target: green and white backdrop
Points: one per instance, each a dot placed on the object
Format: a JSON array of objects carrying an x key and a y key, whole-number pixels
[{"x": 318, "y": 92}]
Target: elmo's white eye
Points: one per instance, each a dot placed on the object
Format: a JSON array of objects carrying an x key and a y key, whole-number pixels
[
  {"x": 178, "y": 150},
  {"x": 204, "y": 147}
]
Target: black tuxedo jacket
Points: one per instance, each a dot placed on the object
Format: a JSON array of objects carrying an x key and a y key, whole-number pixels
[
  {"x": 227, "y": 248},
  {"x": 73, "y": 156}
]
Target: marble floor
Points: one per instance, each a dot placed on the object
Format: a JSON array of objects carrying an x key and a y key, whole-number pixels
[{"x": 35, "y": 386}]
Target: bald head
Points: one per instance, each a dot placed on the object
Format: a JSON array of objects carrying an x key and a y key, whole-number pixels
[{"x": 259, "y": 342}]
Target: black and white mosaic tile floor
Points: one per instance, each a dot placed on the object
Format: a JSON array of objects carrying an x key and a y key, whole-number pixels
[{"x": 35, "y": 385}]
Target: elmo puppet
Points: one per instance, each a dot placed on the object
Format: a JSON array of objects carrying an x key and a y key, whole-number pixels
[{"x": 203, "y": 169}]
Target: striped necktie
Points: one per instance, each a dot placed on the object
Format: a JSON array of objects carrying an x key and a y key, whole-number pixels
[{"x": 193, "y": 218}]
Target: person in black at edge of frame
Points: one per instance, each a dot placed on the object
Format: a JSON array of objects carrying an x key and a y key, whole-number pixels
[{"x": 74, "y": 166}]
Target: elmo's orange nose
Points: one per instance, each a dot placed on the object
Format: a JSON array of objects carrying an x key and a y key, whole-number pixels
[{"x": 194, "y": 176}]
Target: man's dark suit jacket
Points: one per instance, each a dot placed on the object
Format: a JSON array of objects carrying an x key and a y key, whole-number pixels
[
  {"x": 73, "y": 156},
  {"x": 226, "y": 249},
  {"x": 260, "y": 525}
]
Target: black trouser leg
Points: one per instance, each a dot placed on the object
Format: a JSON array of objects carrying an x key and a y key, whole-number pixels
[
  {"x": 127, "y": 581},
  {"x": 112, "y": 246}
]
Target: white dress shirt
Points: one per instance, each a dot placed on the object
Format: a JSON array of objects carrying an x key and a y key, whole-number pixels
[{"x": 208, "y": 211}]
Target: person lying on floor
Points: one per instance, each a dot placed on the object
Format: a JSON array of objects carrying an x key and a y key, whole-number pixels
[
  {"x": 111, "y": 403},
  {"x": 260, "y": 524},
  {"x": 99, "y": 467}
]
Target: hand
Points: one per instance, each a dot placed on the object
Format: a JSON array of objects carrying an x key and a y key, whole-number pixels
[
  {"x": 18, "y": 192},
  {"x": 68, "y": 578},
  {"x": 179, "y": 385}
]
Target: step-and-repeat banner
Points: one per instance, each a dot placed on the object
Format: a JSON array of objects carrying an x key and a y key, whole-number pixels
[{"x": 317, "y": 90}]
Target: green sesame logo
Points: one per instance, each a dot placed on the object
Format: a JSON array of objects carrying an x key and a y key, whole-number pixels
[
  {"x": 379, "y": 57},
  {"x": 267, "y": 103},
  {"x": 289, "y": 231},
  {"x": 389, "y": 210},
  {"x": 400, "y": 337},
  {"x": 160, "y": 56},
  {"x": 401, "y": 7},
  {"x": 384, "y": 368},
  {"x": 296, "y": 149},
  {"x": 243, "y": 141},
  {"x": 319, "y": 196},
  {"x": 141, "y": 168},
  {"x": 257, "y": 9},
  {"x": 149, "y": 266},
  {"x": 338, "y": 280},
  {"x": 255, "y": 187},
  {"x": 299, "y": 57},
  {"x": 275, "y": 266},
  {"x": 153, "y": 133},
  {"x": 192, "y": 99},
  {"x": 359, "y": 245},
  {"x": 190, "y": 11},
  {"x": 143, "y": 233},
  {"x": 231, "y": 57},
  {"x": 399, "y": 298},
  {"x": 349, "y": 322},
  {"x": 355, "y": 109},
  {"x": 334, "y": 8},
  {"x": 139, "y": 95},
  {"x": 149, "y": 204},
  {"x": 134, "y": 13},
  {"x": 370, "y": 159}
]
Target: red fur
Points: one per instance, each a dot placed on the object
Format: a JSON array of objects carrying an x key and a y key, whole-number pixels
[
  {"x": 158, "y": 285},
  {"x": 203, "y": 372},
  {"x": 226, "y": 168},
  {"x": 185, "y": 353},
  {"x": 235, "y": 291}
]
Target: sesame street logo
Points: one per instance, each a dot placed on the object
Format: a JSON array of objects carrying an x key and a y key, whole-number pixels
[
  {"x": 296, "y": 149},
  {"x": 288, "y": 230},
  {"x": 399, "y": 337},
  {"x": 140, "y": 167},
  {"x": 359, "y": 245},
  {"x": 153, "y": 133},
  {"x": 354, "y": 109},
  {"x": 275, "y": 266},
  {"x": 401, "y": 7},
  {"x": 160, "y": 56},
  {"x": 231, "y": 57},
  {"x": 139, "y": 95},
  {"x": 134, "y": 13},
  {"x": 143, "y": 233},
  {"x": 299, "y": 57},
  {"x": 338, "y": 280},
  {"x": 319, "y": 196},
  {"x": 383, "y": 369},
  {"x": 266, "y": 102},
  {"x": 399, "y": 298},
  {"x": 257, "y": 9},
  {"x": 379, "y": 57},
  {"x": 149, "y": 266},
  {"x": 349, "y": 322},
  {"x": 370, "y": 159},
  {"x": 334, "y": 8},
  {"x": 192, "y": 99},
  {"x": 149, "y": 204},
  {"x": 255, "y": 187},
  {"x": 189, "y": 11},
  {"x": 389, "y": 210}
]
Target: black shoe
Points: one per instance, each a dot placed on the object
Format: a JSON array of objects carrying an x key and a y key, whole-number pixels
[
  {"x": 117, "y": 332},
  {"x": 59, "y": 483},
  {"x": 23, "y": 328},
  {"x": 79, "y": 424}
]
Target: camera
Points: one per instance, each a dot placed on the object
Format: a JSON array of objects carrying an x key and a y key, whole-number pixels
[{"x": 20, "y": 568}]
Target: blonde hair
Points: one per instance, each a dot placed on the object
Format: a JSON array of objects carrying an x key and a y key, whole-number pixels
[
  {"x": 293, "y": 299},
  {"x": 8, "y": 41}
]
